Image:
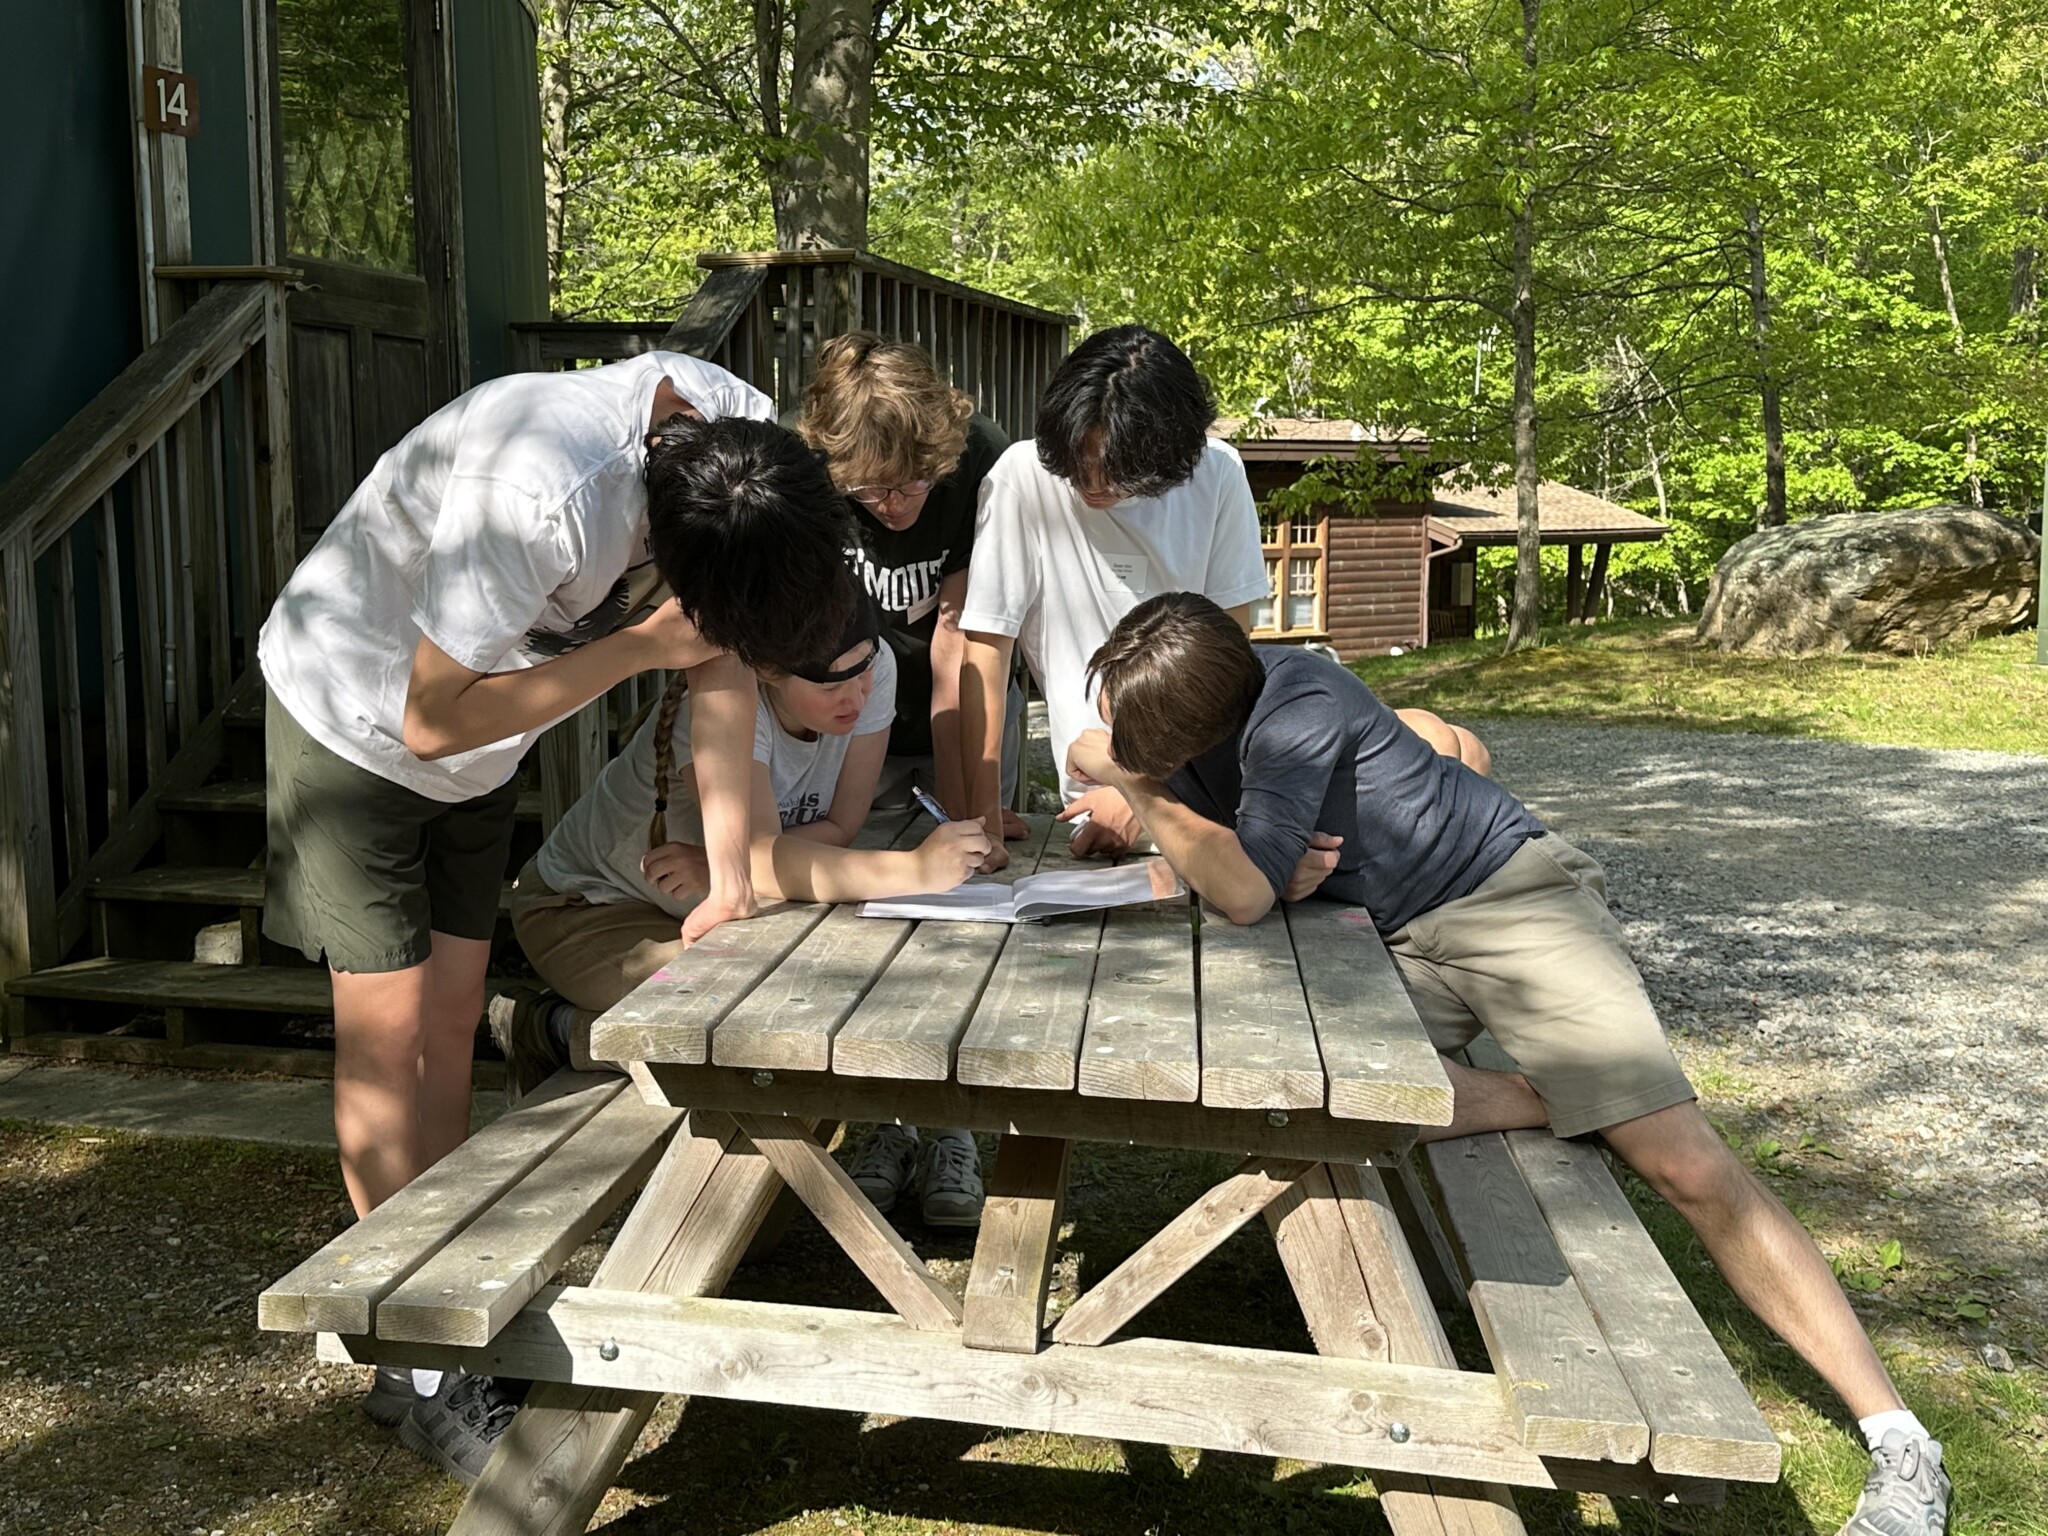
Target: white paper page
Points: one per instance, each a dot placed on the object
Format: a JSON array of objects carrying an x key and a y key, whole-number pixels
[
  {"x": 978, "y": 901},
  {"x": 1085, "y": 890}
]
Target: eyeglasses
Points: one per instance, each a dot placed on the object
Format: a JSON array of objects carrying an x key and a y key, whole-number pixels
[{"x": 879, "y": 496}]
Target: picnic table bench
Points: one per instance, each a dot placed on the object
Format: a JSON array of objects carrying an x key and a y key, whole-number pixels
[{"x": 1290, "y": 1043}]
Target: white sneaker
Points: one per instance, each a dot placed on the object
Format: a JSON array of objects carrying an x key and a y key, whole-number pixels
[
  {"x": 952, "y": 1181},
  {"x": 884, "y": 1164}
]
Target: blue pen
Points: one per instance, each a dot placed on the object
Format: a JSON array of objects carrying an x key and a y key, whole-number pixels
[{"x": 930, "y": 805}]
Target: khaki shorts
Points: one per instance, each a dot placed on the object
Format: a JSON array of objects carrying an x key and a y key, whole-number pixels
[
  {"x": 363, "y": 872},
  {"x": 591, "y": 952},
  {"x": 1535, "y": 958}
]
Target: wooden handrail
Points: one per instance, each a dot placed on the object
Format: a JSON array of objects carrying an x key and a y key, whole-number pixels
[{"x": 64, "y": 478}]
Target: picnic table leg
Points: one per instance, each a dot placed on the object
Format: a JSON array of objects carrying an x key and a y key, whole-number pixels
[
  {"x": 1364, "y": 1298},
  {"x": 700, "y": 1210},
  {"x": 1019, "y": 1239}
]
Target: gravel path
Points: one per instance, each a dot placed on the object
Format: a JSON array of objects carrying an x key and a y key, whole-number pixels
[{"x": 1855, "y": 938}]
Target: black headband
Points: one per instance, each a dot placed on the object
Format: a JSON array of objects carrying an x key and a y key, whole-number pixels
[{"x": 864, "y": 626}]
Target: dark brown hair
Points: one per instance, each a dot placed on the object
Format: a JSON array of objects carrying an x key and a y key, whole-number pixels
[{"x": 1180, "y": 677}]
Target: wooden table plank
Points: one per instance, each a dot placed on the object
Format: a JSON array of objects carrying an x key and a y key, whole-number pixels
[
  {"x": 338, "y": 1288},
  {"x": 1026, "y": 1030},
  {"x": 1141, "y": 1039},
  {"x": 670, "y": 1016},
  {"x": 790, "y": 1019},
  {"x": 467, "y": 1291},
  {"x": 1169, "y": 1392},
  {"x": 1312, "y": 1135},
  {"x": 913, "y": 1017},
  {"x": 1702, "y": 1421},
  {"x": 1378, "y": 1057},
  {"x": 1563, "y": 1388},
  {"x": 1258, "y": 1042}
]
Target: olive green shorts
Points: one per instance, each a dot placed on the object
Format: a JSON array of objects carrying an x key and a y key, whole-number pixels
[
  {"x": 363, "y": 872},
  {"x": 1535, "y": 958}
]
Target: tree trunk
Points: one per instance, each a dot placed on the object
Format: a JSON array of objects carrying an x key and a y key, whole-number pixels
[
  {"x": 818, "y": 182},
  {"x": 2026, "y": 291},
  {"x": 1526, "y": 627},
  {"x": 1972, "y": 480},
  {"x": 557, "y": 84},
  {"x": 1773, "y": 514}
]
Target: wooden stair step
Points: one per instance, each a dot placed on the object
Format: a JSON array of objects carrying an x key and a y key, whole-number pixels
[
  {"x": 203, "y": 885},
  {"x": 244, "y": 797},
  {"x": 199, "y": 885},
  {"x": 183, "y": 984}
]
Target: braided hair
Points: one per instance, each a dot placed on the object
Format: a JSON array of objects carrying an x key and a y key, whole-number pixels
[{"x": 665, "y": 755}]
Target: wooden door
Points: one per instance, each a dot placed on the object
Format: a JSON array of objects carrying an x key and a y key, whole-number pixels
[{"x": 367, "y": 144}]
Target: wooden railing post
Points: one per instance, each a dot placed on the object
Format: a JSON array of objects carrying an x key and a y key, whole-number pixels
[
  {"x": 28, "y": 876},
  {"x": 278, "y": 518}
]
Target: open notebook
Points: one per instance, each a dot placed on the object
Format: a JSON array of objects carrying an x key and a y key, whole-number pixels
[{"x": 1036, "y": 896}]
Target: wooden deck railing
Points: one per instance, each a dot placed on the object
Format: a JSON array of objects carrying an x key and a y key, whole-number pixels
[
  {"x": 140, "y": 548},
  {"x": 762, "y": 315}
]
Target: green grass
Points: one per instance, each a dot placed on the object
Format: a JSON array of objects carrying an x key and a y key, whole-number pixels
[
  {"x": 1987, "y": 694},
  {"x": 137, "y": 1397}
]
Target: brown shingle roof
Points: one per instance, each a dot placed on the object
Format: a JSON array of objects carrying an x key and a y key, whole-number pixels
[
  {"x": 1564, "y": 513},
  {"x": 1290, "y": 438}
]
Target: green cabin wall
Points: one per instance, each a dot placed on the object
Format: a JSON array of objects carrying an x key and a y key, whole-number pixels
[
  {"x": 67, "y": 255},
  {"x": 497, "y": 108}
]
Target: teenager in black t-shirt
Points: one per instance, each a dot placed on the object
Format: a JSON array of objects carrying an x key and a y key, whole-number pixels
[{"x": 911, "y": 453}]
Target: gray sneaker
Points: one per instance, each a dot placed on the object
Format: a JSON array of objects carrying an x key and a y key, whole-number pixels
[
  {"x": 884, "y": 1164},
  {"x": 519, "y": 1028},
  {"x": 458, "y": 1427},
  {"x": 952, "y": 1181},
  {"x": 1906, "y": 1493}
]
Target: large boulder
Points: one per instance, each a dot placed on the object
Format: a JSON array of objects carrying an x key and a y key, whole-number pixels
[{"x": 1903, "y": 581}]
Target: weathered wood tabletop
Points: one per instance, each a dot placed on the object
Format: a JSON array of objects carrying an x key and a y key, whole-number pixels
[
  {"x": 1291, "y": 1043},
  {"x": 1095, "y": 1026}
]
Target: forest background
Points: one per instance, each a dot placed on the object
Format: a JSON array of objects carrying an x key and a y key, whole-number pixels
[{"x": 1728, "y": 264}]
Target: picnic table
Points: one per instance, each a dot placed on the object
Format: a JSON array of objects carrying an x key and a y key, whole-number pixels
[{"x": 1290, "y": 1044}]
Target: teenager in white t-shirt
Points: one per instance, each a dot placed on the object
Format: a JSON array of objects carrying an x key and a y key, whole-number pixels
[
  {"x": 596, "y": 909},
  {"x": 1122, "y": 494},
  {"x": 469, "y": 594}
]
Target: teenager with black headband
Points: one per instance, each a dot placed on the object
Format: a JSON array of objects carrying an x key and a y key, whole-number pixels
[{"x": 596, "y": 910}]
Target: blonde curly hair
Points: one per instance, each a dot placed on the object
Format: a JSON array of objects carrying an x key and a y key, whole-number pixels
[{"x": 879, "y": 412}]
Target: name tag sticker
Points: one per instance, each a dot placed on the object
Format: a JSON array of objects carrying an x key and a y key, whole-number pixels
[{"x": 1126, "y": 571}]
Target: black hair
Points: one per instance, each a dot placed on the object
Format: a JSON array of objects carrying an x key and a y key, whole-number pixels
[
  {"x": 1140, "y": 391},
  {"x": 751, "y": 536}
]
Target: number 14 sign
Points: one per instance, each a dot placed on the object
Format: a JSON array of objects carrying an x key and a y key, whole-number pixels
[{"x": 170, "y": 102}]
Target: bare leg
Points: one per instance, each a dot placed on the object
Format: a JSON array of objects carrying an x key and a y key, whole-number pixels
[
  {"x": 1487, "y": 1101},
  {"x": 378, "y": 1044},
  {"x": 1769, "y": 1259},
  {"x": 1472, "y": 752},
  {"x": 454, "y": 1003}
]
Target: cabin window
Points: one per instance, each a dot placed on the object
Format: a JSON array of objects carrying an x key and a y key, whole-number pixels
[
  {"x": 1296, "y": 548},
  {"x": 346, "y": 129}
]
